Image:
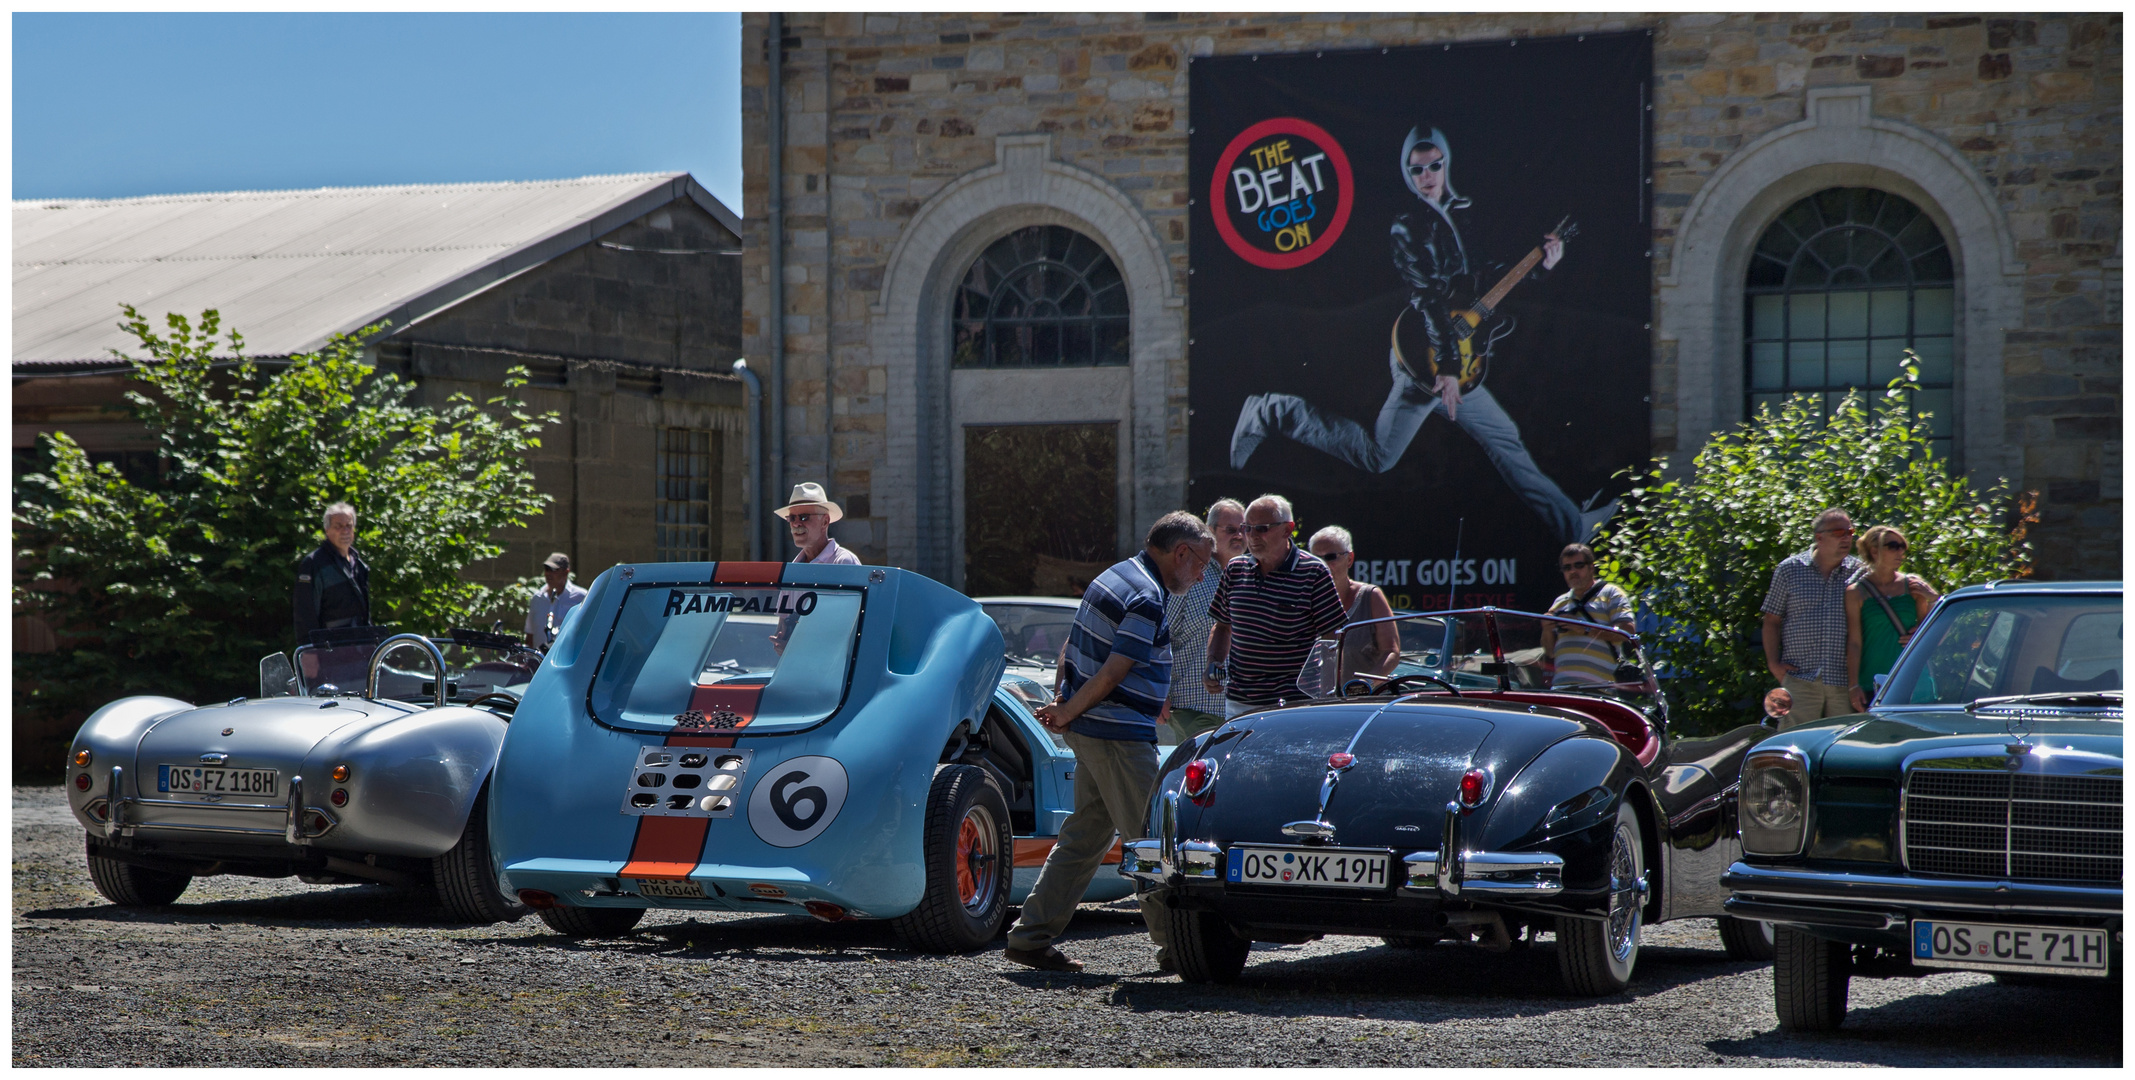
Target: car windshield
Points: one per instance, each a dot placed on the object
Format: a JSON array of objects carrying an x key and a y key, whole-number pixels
[
  {"x": 1034, "y": 632},
  {"x": 718, "y": 657},
  {"x": 2013, "y": 644},
  {"x": 1483, "y": 649},
  {"x": 476, "y": 664}
]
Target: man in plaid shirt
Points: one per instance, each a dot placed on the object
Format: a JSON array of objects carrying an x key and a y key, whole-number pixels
[
  {"x": 1805, "y": 621},
  {"x": 1193, "y": 709}
]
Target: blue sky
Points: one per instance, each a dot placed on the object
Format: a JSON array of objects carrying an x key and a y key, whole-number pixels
[{"x": 110, "y": 105}]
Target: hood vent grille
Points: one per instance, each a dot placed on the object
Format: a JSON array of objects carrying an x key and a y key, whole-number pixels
[{"x": 1978, "y": 823}]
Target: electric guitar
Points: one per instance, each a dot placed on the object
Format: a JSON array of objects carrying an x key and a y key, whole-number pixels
[{"x": 1481, "y": 320}]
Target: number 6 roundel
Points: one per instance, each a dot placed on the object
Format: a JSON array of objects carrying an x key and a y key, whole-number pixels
[{"x": 795, "y": 800}]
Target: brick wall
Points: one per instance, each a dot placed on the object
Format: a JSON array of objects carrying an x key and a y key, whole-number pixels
[{"x": 883, "y": 111}]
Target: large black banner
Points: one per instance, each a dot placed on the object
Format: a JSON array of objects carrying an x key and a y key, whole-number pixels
[{"x": 1420, "y": 300}]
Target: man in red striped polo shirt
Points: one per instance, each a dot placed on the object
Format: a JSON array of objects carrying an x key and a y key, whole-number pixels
[{"x": 1273, "y": 601}]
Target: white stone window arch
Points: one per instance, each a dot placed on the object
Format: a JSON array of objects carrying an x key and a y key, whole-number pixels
[
  {"x": 910, "y": 335},
  {"x": 1840, "y": 144}
]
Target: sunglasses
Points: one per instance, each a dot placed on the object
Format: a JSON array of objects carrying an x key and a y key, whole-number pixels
[
  {"x": 1436, "y": 166},
  {"x": 1328, "y": 556},
  {"x": 1580, "y": 565},
  {"x": 1894, "y": 545},
  {"x": 803, "y": 519},
  {"x": 1262, "y": 530}
]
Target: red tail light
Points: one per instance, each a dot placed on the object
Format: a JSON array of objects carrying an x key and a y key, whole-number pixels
[
  {"x": 826, "y": 911},
  {"x": 81, "y": 781},
  {"x": 536, "y": 899},
  {"x": 1200, "y": 773},
  {"x": 339, "y": 797},
  {"x": 1341, "y": 761},
  {"x": 1474, "y": 785}
]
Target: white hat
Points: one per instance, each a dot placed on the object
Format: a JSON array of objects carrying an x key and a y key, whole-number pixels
[{"x": 810, "y": 495}]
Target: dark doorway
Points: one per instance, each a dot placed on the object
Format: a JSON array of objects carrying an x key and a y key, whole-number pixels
[{"x": 1041, "y": 507}]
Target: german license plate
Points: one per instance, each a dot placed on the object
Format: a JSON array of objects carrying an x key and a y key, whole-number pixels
[
  {"x": 671, "y": 890},
  {"x": 210, "y": 780},
  {"x": 2061, "y": 950},
  {"x": 1326, "y": 868}
]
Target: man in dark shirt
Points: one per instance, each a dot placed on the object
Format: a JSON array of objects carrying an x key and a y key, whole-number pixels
[
  {"x": 1272, "y": 602},
  {"x": 333, "y": 587}
]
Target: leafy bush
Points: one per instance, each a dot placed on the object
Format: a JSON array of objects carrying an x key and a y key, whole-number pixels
[
  {"x": 179, "y": 584},
  {"x": 1699, "y": 552}
]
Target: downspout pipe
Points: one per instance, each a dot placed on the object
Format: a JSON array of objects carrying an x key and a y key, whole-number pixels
[
  {"x": 756, "y": 457},
  {"x": 775, "y": 104}
]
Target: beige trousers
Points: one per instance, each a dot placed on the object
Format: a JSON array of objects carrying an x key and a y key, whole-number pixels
[
  {"x": 1113, "y": 782},
  {"x": 1815, "y": 700}
]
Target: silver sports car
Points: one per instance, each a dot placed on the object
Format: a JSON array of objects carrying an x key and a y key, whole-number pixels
[{"x": 362, "y": 760}]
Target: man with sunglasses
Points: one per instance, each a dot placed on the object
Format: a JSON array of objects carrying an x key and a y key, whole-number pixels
[
  {"x": 1805, "y": 621},
  {"x": 1270, "y": 605},
  {"x": 1441, "y": 273},
  {"x": 809, "y": 514},
  {"x": 1586, "y": 659}
]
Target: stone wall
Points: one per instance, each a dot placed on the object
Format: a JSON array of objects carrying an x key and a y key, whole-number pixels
[{"x": 884, "y": 111}]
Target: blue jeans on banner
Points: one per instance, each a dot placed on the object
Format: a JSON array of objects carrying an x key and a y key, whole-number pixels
[{"x": 1407, "y": 406}]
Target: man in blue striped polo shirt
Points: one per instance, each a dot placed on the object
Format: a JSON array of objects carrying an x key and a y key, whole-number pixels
[
  {"x": 1272, "y": 602},
  {"x": 1115, "y": 677}
]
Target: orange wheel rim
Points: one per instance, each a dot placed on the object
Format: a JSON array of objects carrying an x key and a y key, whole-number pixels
[{"x": 970, "y": 845}]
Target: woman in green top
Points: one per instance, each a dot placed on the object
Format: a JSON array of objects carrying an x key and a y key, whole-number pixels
[{"x": 1882, "y": 607}]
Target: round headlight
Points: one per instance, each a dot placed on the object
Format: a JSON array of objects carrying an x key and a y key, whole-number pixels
[{"x": 1772, "y": 798}]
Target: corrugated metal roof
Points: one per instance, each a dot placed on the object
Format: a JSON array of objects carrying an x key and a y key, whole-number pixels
[{"x": 289, "y": 269}]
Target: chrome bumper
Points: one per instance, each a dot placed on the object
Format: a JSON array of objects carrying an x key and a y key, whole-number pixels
[{"x": 1168, "y": 862}]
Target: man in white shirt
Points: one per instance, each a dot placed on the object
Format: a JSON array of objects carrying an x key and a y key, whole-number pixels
[
  {"x": 809, "y": 514},
  {"x": 545, "y": 612}
]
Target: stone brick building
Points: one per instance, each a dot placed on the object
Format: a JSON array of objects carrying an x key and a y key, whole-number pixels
[
  {"x": 909, "y": 145},
  {"x": 619, "y": 294}
]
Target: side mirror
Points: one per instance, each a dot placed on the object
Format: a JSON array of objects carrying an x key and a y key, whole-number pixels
[
  {"x": 276, "y": 677},
  {"x": 1880, "y": 680}
]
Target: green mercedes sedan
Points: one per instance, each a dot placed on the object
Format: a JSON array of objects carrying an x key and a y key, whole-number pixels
[{"x": 1970, "y": 819}]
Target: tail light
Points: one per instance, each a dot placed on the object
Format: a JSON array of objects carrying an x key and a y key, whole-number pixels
[
  {"x": 826, "y": 911},
  {"x": 1474, "y": 787},
  {"x": 1200, "y": 773},
  {"x": 536, "y": 899},
  {"x": 341, "y": 774},
  {"x": 82, "y": 758},
  {"x": 1341, "y": 760},
  {"x": 339, "y": 797},
  {"x": 81, "y": 781}
]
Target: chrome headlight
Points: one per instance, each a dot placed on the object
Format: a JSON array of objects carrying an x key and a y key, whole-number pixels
[{"x": 1775, "y": 802}]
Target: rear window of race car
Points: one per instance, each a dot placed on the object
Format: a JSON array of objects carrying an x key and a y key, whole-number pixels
[{"x": 719, "y": 658}]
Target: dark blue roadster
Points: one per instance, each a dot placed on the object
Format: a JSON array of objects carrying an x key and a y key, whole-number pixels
[{"x": 1455, "y": 781}]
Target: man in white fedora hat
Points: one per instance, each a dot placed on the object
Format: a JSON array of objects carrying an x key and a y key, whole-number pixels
[{"x": 808, "y": 514}]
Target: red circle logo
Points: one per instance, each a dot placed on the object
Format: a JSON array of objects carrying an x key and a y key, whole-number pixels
[{"x": 1281, "y": 193}]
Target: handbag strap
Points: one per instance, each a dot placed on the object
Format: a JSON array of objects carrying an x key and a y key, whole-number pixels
[{"x": 1884, "y": 603}]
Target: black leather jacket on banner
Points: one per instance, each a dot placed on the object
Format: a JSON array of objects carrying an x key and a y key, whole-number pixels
[{"x": 1433, "y": 262}]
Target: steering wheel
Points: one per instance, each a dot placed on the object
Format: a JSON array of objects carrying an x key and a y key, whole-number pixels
[
  {"x": 1393, "y": 684},
  {"x": 511, "y": 703}
]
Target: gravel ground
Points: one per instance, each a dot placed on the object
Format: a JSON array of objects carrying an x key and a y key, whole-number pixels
[{"x": 248, "y": 972}]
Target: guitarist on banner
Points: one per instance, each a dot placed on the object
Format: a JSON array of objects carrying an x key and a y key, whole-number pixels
[{"x": 1438, "y": 355}]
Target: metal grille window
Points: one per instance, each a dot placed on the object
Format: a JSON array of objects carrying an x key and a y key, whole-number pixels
[
  {"x": 686, "y": 495},
  {"x": 1839, "y": 287},
  {"x": 1042, "y": 296}
]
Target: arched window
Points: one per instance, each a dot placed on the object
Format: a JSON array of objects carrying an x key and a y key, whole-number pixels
[
  {"x": 1839, "y": 287},
  {"x": 1042, "y": 296}
]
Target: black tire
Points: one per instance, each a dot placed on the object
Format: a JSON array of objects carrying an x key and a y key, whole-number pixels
[
  {"x": 1596, "y": 957},
  {"x": 128, "y": 885},
  {"x": 1746, "y": 939},
  {"x": 466, "y": 883},
  {"x": 970, "y": 856},
  {"x": 1809, "y": 977},
  {"x": 1204, "y": 948},
  {"x": 593, "y": 922}
]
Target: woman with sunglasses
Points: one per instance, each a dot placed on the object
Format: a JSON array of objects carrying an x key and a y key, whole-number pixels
[
  {"x": 1362, "y": 654},
  {"x": 1882, "y": 607}
]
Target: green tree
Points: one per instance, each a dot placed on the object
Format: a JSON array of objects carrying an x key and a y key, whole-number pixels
[
  {"x": 1699, "y": 551},
  {"x": 179, "y": 584}
]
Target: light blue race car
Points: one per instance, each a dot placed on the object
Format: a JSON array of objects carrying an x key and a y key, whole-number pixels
[{"x": 754, "y": 736}]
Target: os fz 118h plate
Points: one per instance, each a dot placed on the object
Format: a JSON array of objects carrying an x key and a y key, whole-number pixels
[{"x": 685, "y": 781}]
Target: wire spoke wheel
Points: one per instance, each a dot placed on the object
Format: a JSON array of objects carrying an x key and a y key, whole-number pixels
[
  {"x": 1597, "y": 956},
  {"x": 1624, "y": 906}
]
